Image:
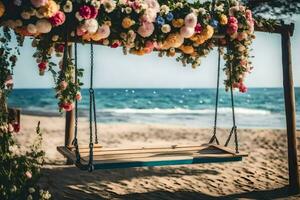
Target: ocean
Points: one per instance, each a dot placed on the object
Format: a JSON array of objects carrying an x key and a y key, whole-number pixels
[{"x": 258, "y": 108}]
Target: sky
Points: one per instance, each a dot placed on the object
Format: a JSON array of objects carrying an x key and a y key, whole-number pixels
[{"x": 115, "y": 70}]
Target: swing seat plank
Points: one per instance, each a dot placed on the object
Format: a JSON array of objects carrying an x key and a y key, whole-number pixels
[{"x": 146, "y": 157}]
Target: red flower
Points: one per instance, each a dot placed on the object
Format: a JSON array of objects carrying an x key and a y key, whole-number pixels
[
  {"x": 59, "y": 48},
  {"x": 57, "y": 19},
  {"x": 94, "y": 12},
  {"x": 198, "y": 28},
  {"x": 16, "y": 127},
  {"x": 42, "y": 66},
  {"x": 85, "y": 12},
  {"x": 115, "y": 44},
  {"x": 67, "y": 106}
]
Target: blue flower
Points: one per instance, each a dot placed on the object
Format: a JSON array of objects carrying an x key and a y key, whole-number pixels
[
  {"x": 170, "y": 16},
  {"x": 160, "y": 20},
  {"x": 214, "y": 23}
]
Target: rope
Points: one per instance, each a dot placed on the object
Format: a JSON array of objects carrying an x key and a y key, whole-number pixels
[
  {"x": 234, "y": 128},
  {"x": 75, "y": 141},
  {"x": 214, "y": 137},
  {"x": 91, "y": 91},
  {"x": 93, "y": 95}
]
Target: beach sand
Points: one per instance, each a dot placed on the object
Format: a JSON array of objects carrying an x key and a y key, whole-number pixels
[{"x": 262, "y": 175}]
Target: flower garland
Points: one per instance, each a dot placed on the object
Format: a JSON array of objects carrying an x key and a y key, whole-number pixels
[{"x": 139, "y": 26}]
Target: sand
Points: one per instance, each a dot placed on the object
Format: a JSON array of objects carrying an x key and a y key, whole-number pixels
[{"x": 262, "y": 175}]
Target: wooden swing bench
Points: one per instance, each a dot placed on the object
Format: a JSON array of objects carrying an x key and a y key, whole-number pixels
[{"x": 110, "y": 158}]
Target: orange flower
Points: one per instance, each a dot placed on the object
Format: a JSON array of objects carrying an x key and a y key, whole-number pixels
[
  {"x": 187, "y": 49},
  {"x": 177, "y": 23},
  {"x": 127, "y": 22},
  {"x": 49, "y": 9},
  {"x": 223, "y": 19},
  {"x": 2, "y": 9}
]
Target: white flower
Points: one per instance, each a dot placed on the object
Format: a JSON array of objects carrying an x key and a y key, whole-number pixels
[
  {"x": 106, "y": 42},
  {"x": 164, "y": 9},
  {"x": 202, "y": 11},
  {"x": 31, "y": 28},
  {"x": 128, "y": 10},
  {"x": 90, "y": 25},
  {"x": 220, "y": 8},
  {"x": 31, "y": 190},
  {"x": 25, "y": 15},
  {"x": 43, "y": 26},
  {"x": 78, "y": 16},
  {"x": 55, "y": 38},
  {"x": 190, "y": 20},
  {"x": 122, "y": 2},
  {"x": 68, "y": 7},
  {"x": 179, "y": 5},
  {"x": 166, "y": 28},
  {"x": 29, "y": 197},
  {"x": 109, "y": 5},
  {"x": 17, "y": 2}
]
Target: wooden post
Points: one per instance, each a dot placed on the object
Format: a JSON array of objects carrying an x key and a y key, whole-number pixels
[
  {"x": 70, "y": 120},
  {"x": 290, "y": 110}
]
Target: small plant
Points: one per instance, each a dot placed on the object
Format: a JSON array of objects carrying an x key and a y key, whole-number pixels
[{"x": 19, "y": 173}]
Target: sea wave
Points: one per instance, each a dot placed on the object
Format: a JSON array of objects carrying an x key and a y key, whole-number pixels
[{"x": 224, "y": 110}]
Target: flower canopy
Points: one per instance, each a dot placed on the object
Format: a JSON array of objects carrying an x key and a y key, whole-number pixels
[{"x": 173, "y": 28}]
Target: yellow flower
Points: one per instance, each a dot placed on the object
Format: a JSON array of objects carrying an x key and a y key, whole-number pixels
[
  {"x": 173, "y": 40},
  {"x": 2, "y": 9},
  {"x": 127, "y": 22},
  {"x": 49, "y": 9},
  {"x": 223, "y": 19},
  {"x": 208, "y": 32},
  {"x": 87, "y": 37},
  {"x": 139, "y": 52},
  {"x": 187, "y": 49},
  {"x": 177, "y": 23}
]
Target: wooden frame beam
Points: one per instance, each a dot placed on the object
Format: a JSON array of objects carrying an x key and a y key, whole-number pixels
[{"x": 290, "y": 109}]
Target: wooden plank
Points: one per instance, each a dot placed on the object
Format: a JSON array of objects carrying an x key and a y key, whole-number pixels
[
  {"x": 157, "y": 150},
  {"x": 290, "y": 111},
  {"x": 150, "y": 159}
]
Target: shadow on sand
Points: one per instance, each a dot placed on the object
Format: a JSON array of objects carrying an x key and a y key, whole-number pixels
[{"x": 71, "y": 183}]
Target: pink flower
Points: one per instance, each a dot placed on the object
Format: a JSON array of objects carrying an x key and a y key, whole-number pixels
[
  {"x": 149, "y": 16},
  {"x": 146, "y": 29},
  {"x": 28, "y": 174},
  {"x": 78, "y": 96},
  {"x": 57, "y": 19},
  {"x": 115, "y": 44},
  {"x": 232, "y": 25},
  {"x": 249, "y": 14},
  {"x": 42, "y": 66},
  {"x": 149, "y": 47},
  {"x": 63, "y": 85},
  {"x": 232, "y": 20},
  {"x": 39, "y": 3},
  {"x": 10, "y": 128},
  {"x": 103, "y": 31},
  {"x": 153, "y": 4},
  {"x": 186, "y": 31},
  {"x": 190, "y": 20},
  {"x": 80, "y": 31},
  {"x": 243, "y": 88},
  {"x": 198, "y": 28},
  {"x": 67, "y": 106},
  {"x": 9, "y": 81},
  {"x": 85, "y": 12}
]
